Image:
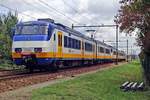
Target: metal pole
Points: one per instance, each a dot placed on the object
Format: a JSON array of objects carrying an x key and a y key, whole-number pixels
[
  {"x": 127, "y": 50},
  {"x": 72, "y": 26},
  {"x": 117, "y": 44}
]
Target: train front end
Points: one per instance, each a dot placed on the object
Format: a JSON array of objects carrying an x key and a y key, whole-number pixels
[{"x": 31, "y": 44}]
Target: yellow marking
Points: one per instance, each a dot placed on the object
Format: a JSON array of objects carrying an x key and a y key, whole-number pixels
[
  {"x": 16, "y": 55},
  {"x": 44, "y": 55},
  {"x": 57, "y": 55}
]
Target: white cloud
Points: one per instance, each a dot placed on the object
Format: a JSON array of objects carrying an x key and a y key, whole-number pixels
[{"x": 84, "y": 11}]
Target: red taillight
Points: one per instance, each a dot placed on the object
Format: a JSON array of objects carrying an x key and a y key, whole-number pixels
[
  {"x": 18, "y": 50},
  {"x": 37, "y": 50}
]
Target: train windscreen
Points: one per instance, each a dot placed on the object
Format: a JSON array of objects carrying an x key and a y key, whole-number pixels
[{"x": 31, "y": 29}]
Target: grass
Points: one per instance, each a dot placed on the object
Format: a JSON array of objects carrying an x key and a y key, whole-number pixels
[
  {"x": 103, "y": 85},
  {"x": 8, "y": 65}
]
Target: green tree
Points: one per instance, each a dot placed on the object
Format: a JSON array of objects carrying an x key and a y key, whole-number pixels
[
  {"x": 7, "y": 21},
  {"x": 134, "y": 15}
]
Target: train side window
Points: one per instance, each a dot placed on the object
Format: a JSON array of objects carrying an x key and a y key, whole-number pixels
[
  {"x": 65, "y": 41},
  {"x": 69, "y": 40},
  {"x": 93, "y": 47},
  {"x": 114, "y": 53},
  {"x": 76, "y": 44},
  {"x": 54, "y": 37},
  {"x": 101, "y": 49},
  {"x": 79, "y": 44},
  {"x": 69, "y": 34},
  {"x": 73, "y": 43},
  {"x": 107, "y": 51},
  {"x": 88, "y": 47},
  {"x": 82, "y": 45}
]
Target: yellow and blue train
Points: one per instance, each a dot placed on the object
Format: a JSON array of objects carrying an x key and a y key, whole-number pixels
[{"x": 46, "y": 44}]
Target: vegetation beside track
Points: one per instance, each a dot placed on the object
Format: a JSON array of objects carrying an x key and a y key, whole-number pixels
[
  {"x": 7, "y": 21},
  {"x": 6, "y": 64},
  {"x": 103, "y": 85}
]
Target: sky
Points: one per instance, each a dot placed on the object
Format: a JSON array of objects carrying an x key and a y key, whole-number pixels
[{"x": 77, "y": 12}]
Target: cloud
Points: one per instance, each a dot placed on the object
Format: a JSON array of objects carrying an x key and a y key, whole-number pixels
[{"x": 82, "y": 11}]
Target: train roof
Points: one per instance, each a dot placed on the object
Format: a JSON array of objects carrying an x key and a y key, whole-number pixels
[
  {"x": 104, "y": 44},
  {"x": 74, "y": 32},
  {"x": 33, "y": 23},
  {"x": 63, "y": 28}
]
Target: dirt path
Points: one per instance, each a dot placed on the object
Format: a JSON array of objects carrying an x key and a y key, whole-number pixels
[{"x": 26, "y": 92}]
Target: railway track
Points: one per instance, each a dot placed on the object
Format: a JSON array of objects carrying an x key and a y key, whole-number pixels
[
  {"x": 16, "y": 81},
  {"x": 20, "y": 75},
  {"x": 16, "y": 74},
  {"x": 6, "y": 73}
]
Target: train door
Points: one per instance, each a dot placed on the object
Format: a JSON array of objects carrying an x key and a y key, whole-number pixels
[
  {"x": 82, "y": 49},
  {"x": 59, "y": 44}
]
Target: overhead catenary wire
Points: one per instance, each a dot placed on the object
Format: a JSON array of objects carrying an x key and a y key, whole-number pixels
[
  {"x": 17, "y": 11},
  {"x": 70, "y": 6},
  {"x": 74, "y": 9},
  {"x": 42, "y": 10},
  {"x": 81, "y": 15},
  {"x": 29, "y": 4},
  {"x": 69, "y": 18}
]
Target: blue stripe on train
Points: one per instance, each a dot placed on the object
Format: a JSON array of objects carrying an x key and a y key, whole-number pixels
[
  {"x": 30, "y": 37},
  {"x": 40, "y": 61}
]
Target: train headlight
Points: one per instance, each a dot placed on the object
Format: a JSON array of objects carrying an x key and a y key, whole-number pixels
[
  {"x": 18, "y": 50},
  {"x": 37, "y": 50}
]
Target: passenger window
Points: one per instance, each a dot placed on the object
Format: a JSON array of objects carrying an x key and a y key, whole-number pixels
[
  {"x": 54, "y": 37},
  {"x": 65, "y": 41}
]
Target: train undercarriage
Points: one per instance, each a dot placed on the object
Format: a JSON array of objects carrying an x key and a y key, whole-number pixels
[{"x": 32, "y": 63}]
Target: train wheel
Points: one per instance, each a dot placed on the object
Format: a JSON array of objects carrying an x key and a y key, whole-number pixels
[
  {"x": 31, "y": 69},
  {"x": 54, "y": 67}
]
